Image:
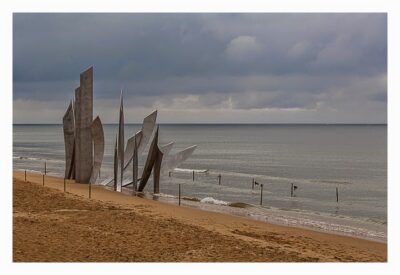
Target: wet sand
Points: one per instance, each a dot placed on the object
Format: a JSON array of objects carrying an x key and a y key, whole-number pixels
[{"x": 52, "y": 226}]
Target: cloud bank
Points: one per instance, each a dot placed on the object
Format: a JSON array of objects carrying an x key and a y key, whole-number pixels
[{"x": 204, "y": 68}]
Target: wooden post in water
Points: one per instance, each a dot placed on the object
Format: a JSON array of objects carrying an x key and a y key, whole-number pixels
[
  {"x": 43, "y": 179},
  {"x": 25, "y": 175},
  {"x": 291, "y": 190},
  {"x": 45, "y": 168},
  {"x": 262, "y": 185},
  {"x": 219, "y": 179},
  {"x": 337, "y": 195},
  {"x": 169, "y": 174},
  {"x": 65, "y": 187},
  {"x": 193, "y": 175},
  {"x": 90, "y": 190},
  {"x": 252, "y": 184},
  {"x": 179, "y": 195}
]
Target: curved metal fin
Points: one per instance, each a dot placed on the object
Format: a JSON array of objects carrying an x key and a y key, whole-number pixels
[
  {"x": 157, "y": 170},
  {"x": 128, "y": 155},
  {"x": 174, "y": 161},
  {"x": 115, "y": 163},
  {"x": 69, "y": 140},
  {"x": 149, "y": 123},
  {"x": 121, "y": 142},
  {"x": 98, "y": 147},
  {"x": 165, "y": 149},
  {"x": 135, "y": 166},
  {"x": 151, "y": 158}
]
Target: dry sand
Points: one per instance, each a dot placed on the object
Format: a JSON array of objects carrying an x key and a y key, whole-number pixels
[{"x": 52, "y": 226}]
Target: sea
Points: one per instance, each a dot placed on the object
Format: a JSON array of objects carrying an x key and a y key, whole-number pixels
[{"x": 339, "y": 171}]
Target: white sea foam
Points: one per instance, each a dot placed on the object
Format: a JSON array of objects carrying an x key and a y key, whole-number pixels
[
  {"x": 164, "y": 195},
  {"x": 211, "y": 200},
  {"x": 323, "y": 225},
  {"x": 27, "y": 158},
  {"x": 191, "y": 170},
  {"x": 48, "y": 160},
  {"x": 30, "y": 171}
]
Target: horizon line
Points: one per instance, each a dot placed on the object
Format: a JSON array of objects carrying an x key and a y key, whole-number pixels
[{"x": 227, "y": 123}]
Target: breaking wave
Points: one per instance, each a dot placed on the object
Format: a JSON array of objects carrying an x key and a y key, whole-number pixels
[{"x": 211, "y": 200}]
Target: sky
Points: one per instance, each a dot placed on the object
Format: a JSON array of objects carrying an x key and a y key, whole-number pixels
[{"x": 204, "y": 68}]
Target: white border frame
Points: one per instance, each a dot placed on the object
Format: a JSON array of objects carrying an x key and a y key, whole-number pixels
[{"x": 8, "y": 7}]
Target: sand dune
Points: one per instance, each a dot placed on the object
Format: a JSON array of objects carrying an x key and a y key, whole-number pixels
[{"x": 52, "y": 226}]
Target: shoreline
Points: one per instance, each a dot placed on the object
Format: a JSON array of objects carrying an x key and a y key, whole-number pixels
[
  {"x": 330, "y": 224},
  {"x": 308, "y": 221},
  {"x": 295, "y": 244}
]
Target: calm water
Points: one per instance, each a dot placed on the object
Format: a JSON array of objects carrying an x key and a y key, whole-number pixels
[{"x": 316, "y": 158}]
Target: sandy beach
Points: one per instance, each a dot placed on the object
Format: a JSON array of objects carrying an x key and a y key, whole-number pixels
[{"x": 52, "y": 226}]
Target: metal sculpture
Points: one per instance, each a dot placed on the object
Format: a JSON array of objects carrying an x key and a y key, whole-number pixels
[
  {"x": 83, "y": 123},
  {"x": 69, "y": 140},
  {"x": 121, "y": 142},
  {"x": 174, "y": 161},
  {"x": 77, "y": 113},
  {"x": 151, "y": 158},
  {"x": 148, "y": 125},
  {"x": 135, "y": 166},
  {"x": 98, "y": 148},
  {"x": 83, "y": 137},
  {"x": 156, "y": 170},
  {"x": 128, "y": 155},
  {"x": 115, "y": 163},
  {"x": 84, "y": 144},
  {"x": 166, "y": 148},
  {"x": 142, "y": 138}
]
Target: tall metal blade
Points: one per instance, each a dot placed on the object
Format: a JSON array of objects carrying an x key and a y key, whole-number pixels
[
  {"x": 135, "y": 166},
  {"x": 83, "y": 123},
  {"x": 128, "y": 155},
  {"x": 121, "y": 142},
  {"x": 115, "y": 163},
  {"x": 156, "y": 171},
  {"x": 149, "y": 123},
  {"x": 151, "y": 158},
  {"x": 69, "y": 137},
  {"x": 98, "y": 147}
]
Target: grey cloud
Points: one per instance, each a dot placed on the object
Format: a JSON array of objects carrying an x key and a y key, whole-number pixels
[
  {"x": 382, "y": 97},
  {"x": 272, "y": 100},
  {"x": 200, "y": 61}
]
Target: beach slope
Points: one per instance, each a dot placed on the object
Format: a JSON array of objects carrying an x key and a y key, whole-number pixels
[{"x": 52, "y": 226}]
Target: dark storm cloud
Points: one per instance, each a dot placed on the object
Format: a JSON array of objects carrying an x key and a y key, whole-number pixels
[{"x": 225, "y": 61}]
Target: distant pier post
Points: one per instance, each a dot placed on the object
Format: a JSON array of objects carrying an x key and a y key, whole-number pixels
[
  {"x": 261, "y": 197},
  {"x": 169, "y": 174},
  {"x": 291, "y": 190},
  {"x": 65, "y": 187},
  {"x": 45, "y": 168},
  {"x": 179, "y": 195},
  {"x": 219, "y": 179},
  {"x": 25, "y": 175},
  {"x": 252, "y": 184},
  {"x": 193, "y": 175},
  {"x": 43, "y": 179},
  {"x": 337, "y": 195}
]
